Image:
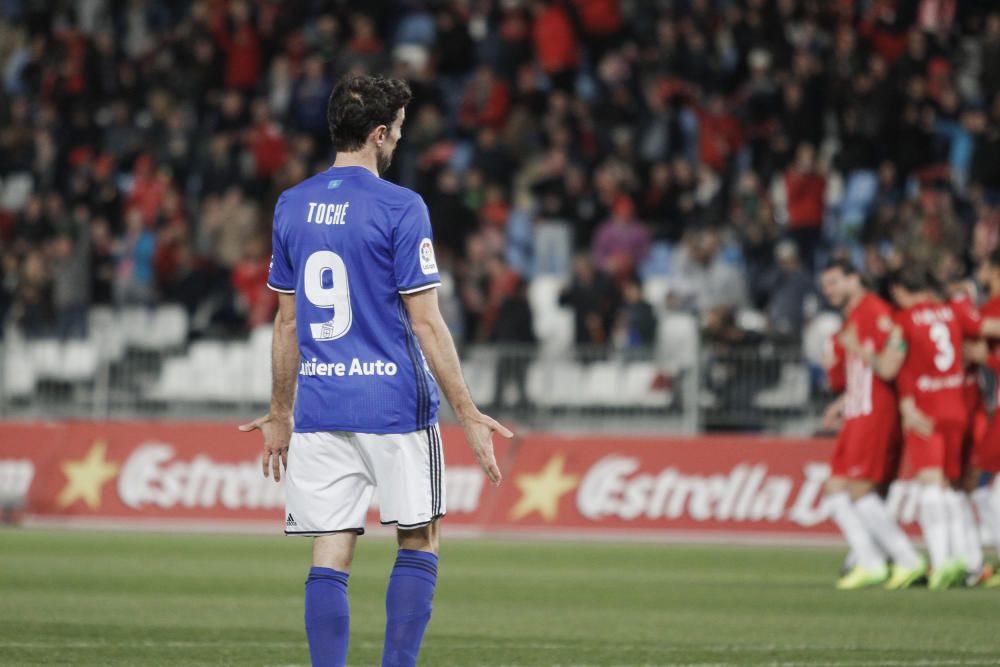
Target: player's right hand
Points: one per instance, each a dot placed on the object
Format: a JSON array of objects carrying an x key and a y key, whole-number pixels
[
  {"x": 832, "y": 416},
  {"x": 277, "y": 432},
  {"x": 976, "y": 351},
  {"x": 479, "y": 430},
  {"x": 915, "y": 420}
]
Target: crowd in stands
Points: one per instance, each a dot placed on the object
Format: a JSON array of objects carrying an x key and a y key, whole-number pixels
[{"x": 729, "y": 147}]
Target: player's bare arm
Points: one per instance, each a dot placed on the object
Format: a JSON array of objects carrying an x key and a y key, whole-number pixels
[
  {"x": 991, "y": 327},
  {"x": 976, "y": 351},
  {"x": 914, "y": 419},
  {"x": 886, "y": 363},
  {"x": 833, "y": 414},
  {"x": 276, "y": 425},
  {"x": 439, "y": 349}
]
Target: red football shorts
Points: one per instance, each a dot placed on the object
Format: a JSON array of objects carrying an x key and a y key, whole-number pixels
[
  {"x": 986, "y": 453},
  {"x": 943, "y": 449},
  {"x": 867, "y": 449}
]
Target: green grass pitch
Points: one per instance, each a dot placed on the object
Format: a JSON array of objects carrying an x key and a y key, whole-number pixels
[{"x": 74, "y": 598}]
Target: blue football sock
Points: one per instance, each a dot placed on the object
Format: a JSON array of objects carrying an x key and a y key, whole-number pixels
[
  {"x": 328, "y": 617},
  {"x": 408, "y": 606}
]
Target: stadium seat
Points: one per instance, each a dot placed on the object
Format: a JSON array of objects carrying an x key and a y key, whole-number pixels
[
  {"x": 556, "y": 382},
  {"x": 236, "y": 363},
  {"x": 174, "y": 382},
  {"x": 99, "y": 320},
  {"x": 210, "y": 374},
  {"x": 480, "y": 375},
  {"x": 638, "y": 385},
  {"x": 553, "y": 323},
  {"x": 109, "y": 341},
  {"x": 18, "y": 373},
  {"x": 260, "y": 379},
  {"x": 677, "y": 341},
  {"x": 79, "y": 361},
  {"x": 603, "y": 384},
  {"x": 206, "y": 354},
  {"x": 46, "y": 358},
  {"x": 136, "y": 327},
  {"x": 791, "y": 392},
  {"x": 260, "y": 341},
  {"x": 169, "y": 324}
]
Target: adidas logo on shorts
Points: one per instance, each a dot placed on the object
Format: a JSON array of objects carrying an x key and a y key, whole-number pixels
[{"x": 290, "y": 521}]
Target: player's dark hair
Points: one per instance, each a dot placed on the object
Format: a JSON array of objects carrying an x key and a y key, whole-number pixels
[
  {"x": 912, "y": 279},
  {"x": 359, "y": 104},
  {"x": 845, "y": 265}
]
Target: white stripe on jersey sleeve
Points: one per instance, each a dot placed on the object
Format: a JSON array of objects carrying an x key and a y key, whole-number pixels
[
  {"x": 283, "y": 291},
  {"x": 419, "y": 289}
]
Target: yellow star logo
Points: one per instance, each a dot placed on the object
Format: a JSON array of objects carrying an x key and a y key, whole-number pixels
[
  {"x": 541, "y": 491},
  {"x": 87, "y": 477}
]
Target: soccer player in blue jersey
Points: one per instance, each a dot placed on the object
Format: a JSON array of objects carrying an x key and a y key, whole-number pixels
[{"x": 359, "y": 334}]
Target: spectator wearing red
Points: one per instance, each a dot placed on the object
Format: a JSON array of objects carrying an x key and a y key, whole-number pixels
[
  {"x": 266, "y": 141},
  {"x": 495, "y": 210},
  {"x": 249, "y": 279},
  {"x": 486, "y": 101},
  {"x": 171, "y": 246},
  {"x": 241, "y": 46},
  {"x": 805, "y": 189},
  {"x": 556, "y": 47},
  {"x": 502, "y": 283},
  {"x": 365, "y": 40},
  {"x": 602, "y": 24},
  {"x": 882, "y": 27},
  {"x": 149, "y": 188},
  {"x": 719, "y": 134}
]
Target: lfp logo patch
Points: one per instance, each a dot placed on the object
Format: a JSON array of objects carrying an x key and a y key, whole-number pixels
[
  {"x": 334, "y": 184},
  {"x": 427, "y": 262}
]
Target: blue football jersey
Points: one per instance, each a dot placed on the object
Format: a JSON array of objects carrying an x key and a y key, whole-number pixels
[{"x": 347, "y": 244}]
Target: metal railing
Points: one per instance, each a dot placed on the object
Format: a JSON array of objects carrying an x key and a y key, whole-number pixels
[{"x": 708, "y": 386}]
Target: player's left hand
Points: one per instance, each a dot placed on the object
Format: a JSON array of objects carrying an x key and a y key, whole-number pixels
[
  {"x": 479, "y": 430},
  {"x": 277, "y": 433},
  {"x": 848, "y": 339}
]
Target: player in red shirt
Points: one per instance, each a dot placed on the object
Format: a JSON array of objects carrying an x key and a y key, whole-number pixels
[
  {"x": 868, "y": 444},
  {"x": 961, "y": 298},
  {"x": 985, "y": 459},
  {"x": 924, "y": 355}
]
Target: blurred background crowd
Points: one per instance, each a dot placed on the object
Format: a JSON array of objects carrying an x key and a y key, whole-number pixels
[{"x": 722, "y": 147}]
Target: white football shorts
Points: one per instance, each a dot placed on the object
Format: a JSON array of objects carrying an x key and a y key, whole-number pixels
[{"x": 332, "y": 475}]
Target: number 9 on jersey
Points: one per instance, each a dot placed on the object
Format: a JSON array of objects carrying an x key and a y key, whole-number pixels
[{"x": 326, "y": 286}]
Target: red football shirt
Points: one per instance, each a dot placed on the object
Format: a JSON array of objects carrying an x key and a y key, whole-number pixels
[
  {"x": 865, "y": 393},
  {"x": 835, "y": 374},
  {"x": 969, "y": 319},
  {"x": 933, "y": 372},
  {"x": 992, "y": 309}
]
